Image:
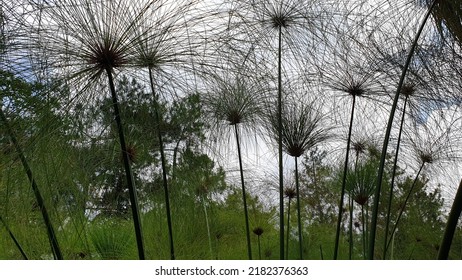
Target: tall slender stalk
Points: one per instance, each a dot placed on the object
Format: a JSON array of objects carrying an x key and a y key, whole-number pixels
[
  {"x": 299, "y": 219},
  {"x": 163, "y": 164},
  {"x": 209, "y": 236},
  {"x": 127, "y": 166},
  {"x": 238, "y": 102},
  {"x": 288, "y": 228},
  {"x": 244, "y": 195},
  {"x": 297, "y": 19},
  {"x": 345, "y": 170},
  {"x": 38, "y": 196},
  {"x": 393, "y": 176},
  {"x": 259, "y": 247},
  {"x": 350, "y": 223},
  {"x": 302, "y": 129},
  {"x": 290, "y": 193},
  {"x": 364, "y": 229},
  {"x": 350, "y": 228},
  {"x": 281, "y": 167},
  {"x": 375, "y": 209},
  {"x": 451, "y": 225}
]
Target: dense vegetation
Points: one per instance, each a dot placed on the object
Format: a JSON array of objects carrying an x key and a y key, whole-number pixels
[{"x": 196, "y": 129}]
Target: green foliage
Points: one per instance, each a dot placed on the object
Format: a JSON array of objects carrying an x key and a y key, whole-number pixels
[
  {"x": 112, "y": 240},
  {"x": 421, "y": 228}
]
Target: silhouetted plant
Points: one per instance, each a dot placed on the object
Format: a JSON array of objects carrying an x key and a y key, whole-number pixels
[
  {"x": 236, "y": 101},
  {"x": 176, "y": 48},
  {"x": 162, "y": 48},
  {"x": 420, "y": 92},
  {"x": 355, "y": 76},
  {"x": 294, "y": 23},
  {"x": 429, "y": 145},
  {"x": 388, "y": 132},
  {"x": 447, "y": 17},
  {"x": 90, "y": 41},
  {"x": 360, "y": 186},
  {"x": 302, "y": 129}
]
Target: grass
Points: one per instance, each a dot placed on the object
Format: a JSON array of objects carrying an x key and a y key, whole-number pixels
[
  {"x": 112, "y": 240},
  {"x": 37, "y": 193}
]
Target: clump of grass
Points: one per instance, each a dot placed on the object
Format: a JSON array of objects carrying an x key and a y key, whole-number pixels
[{"x": 112, "y": 241}]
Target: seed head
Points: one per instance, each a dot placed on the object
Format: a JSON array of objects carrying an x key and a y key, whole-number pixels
[
  {"x": 356, "y": 89},
  {"x": 295, "y": 150},
  {"x": 234, "y": 117},
  {"x": 131, "y": 152},
  {"x": 408, "y": 90},
  {"x": 290, "y": 193},
  {"x": 106, "y": 54},
  {"x": 258, "y": 231},
  {"x": 426, "y": 157},
  {"x": 361, "y": 199},
  {"x": 279, "y": 21},
  {"x": 359, "y": 147}
]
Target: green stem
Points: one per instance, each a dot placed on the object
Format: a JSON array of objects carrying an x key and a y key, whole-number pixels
[
  {"x": 451, "y": 225},
  {"x": 367, "y": 223},
  {"x": 208, "y": 227},
  {"x": 288, "y": 228},
  {"x": 393, "y": 176},
  {"x": 299, "y": 219},
  {"x": 375, "y": 209},
  {"x": 128, "y": 169},
  {"x": 363, "y": 223},
  {"x": 345, "y": 170},
  {"x": 392, "y": 250},
  {"x": 244, "y": 195},
  {"x": 350, "y": 229},
  {"x": 281, "y": 168},
  {"x": 38, "y": 196},
  {"x": 259, "y": 247},
  {"x": 164, "y": 166}
]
